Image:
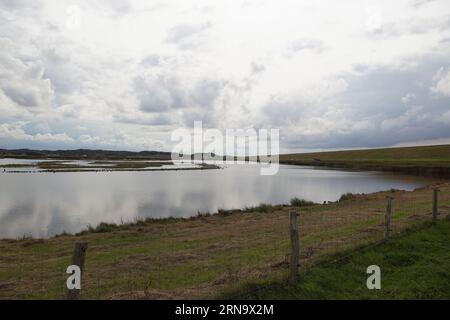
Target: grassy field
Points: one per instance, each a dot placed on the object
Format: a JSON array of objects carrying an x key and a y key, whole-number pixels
[
  {"x": 426, "y": 160},
  {"x": 414, "y": 265},
  {"x": 206, "y": 256}
]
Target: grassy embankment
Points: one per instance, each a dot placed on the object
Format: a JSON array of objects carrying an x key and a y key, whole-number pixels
[
  {"x": 212, "y": 255},
  {"x": 424, "y": 160},
  {"x": 414, "y": 265}
]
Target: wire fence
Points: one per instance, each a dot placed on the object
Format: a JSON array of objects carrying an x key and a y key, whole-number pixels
[
  {"x": 230, "y": 254},
  {"x": 357, "y": 223}
]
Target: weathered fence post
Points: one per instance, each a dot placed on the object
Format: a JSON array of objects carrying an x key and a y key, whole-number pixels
[
  {"x": 387, "y": 218},
  {"x": 435, "y": 204},
  {"x": 294, "y": 247},
  {"x": 79, "y": 254}
]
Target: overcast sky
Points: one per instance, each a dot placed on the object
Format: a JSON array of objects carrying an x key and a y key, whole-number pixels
[{"x": 125, "y": 74}]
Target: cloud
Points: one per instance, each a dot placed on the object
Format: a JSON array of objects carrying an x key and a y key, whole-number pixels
[
  {"x": 205, "y": 93},
  {"x": 188, "y": 35},
  {"x": 408, "y": 98},
  {"x": 151, "y": 60},
  {"x": 442, "y": 82},
  {"x": 376, "y": 106},
  {"x": 307, "y": 44},
  {"x": 168, "y": 92},
  {"x": 152, "y": 120},
  {"x": 159, "y": 94},
  {"x": 23, "y": 81},
  {"x": 413, "y": 26},
  {"x": 15, "y": 131},
  {"x": 420, "y": 3},
  {"x": 19, "y": 4},
  {"x": 87, "y": 139}
]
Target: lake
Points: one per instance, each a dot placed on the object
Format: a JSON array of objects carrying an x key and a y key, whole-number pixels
[{"x": 45, "y": 204}]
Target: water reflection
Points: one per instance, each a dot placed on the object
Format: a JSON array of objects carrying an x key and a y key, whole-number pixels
[{"x": 44, "y": 204}]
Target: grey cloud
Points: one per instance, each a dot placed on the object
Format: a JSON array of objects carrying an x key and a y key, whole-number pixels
[
  {"x": 188, "y": 36},
  {"x": 20, "y": 4},
  {"x": 22, "y": 77},
  {"x": 120, "y": 6},
  {"x": 379, "y": 90},
  {"x": 283, "y": 111},
  {"x": 151, "y": 60},
  {"x": 159, "y": 94},
  {"x": 208, "y": 117},
  {"x": 184, "y": 31},
  {"x": 257, "y": 68},
  {"x": 34, "y": 128},
  {"x": 420, "y": 3},
  {"x": 164, "y": 93},
  {"x": 307, "y": 44},
  {"x": 191, "y": 100},
  {"x": 156, "y": 120},
  {"x": 206, "y": 92},
  {"x": 383, "y": 106},
  {"x": 66, "y": 76},
  {"x": 25, "y": 85},
  {"x": 27, "y": 99},
  {"x": 411, "y": 26}
]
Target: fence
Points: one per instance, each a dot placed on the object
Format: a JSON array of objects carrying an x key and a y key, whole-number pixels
[
  {"x": 217, "y": 255},
  {"x": 314, "y": 233}
]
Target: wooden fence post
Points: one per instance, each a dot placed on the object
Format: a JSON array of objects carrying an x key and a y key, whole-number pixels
[
  {"x": 387, "y": 218},
  {"x": 79, "y": 254},
  {"x": 294, "y": 247},
  {"x": 435, "y": 204}
]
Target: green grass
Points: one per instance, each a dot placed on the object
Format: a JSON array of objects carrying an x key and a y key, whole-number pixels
[
  {"x": 429, "y": 154},
  {"x": 296, "y": 202},
  {"x": 424, "y": 160},
  {"x": 414, "y": 265},
  {"x": 261, "y": 208},
  {"x": 346, "y": 196}
]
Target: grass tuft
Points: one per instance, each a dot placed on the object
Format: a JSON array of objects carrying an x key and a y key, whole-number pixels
[
  {"x": 296, "y": 202},
  {"x": 346, "y": 196},
  {"x": 262, "y": 208}
]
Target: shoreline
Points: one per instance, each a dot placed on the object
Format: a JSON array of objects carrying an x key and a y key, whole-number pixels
[
  {"x": 112, "y": 227},
  {"x": 422, "y": 171},
  {"x": 95, "y": 169}
]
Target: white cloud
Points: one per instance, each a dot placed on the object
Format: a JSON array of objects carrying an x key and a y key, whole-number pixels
[
  {"x": 23, "y": 81},
  {"x": 87, "y": 139},
  {"x": 15, "y": 131},
  {"x": 442, "y": 82},
  {"x": 408, "y": 98}
]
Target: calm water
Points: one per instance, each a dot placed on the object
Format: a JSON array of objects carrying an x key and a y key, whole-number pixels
[{"x": 44, "y": 204}]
